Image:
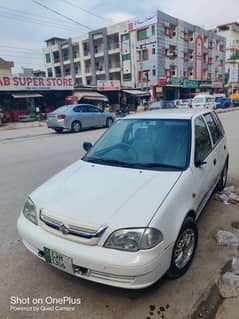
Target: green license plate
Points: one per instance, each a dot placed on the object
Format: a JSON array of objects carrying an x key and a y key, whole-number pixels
[{"x": 58, "y": 260}]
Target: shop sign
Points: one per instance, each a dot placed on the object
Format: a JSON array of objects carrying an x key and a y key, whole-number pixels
[
  {"x": 217, "y": 85},
  {"x": 162, "y": 81},
  {"x": 144, "y": 22},
  {"x": 233, "y": 73},
  {"x": 104, "y": 85},
  {"x": 190, "y": 84},
  {"x": 205, "y": 84},
  {"x": 175, "y": 81},
  {"x": 17, "y": 83}
]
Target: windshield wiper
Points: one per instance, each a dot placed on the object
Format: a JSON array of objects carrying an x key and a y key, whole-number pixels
[
  {"x": 155, "y": 165},
  {"x": 106, "y": 161}
]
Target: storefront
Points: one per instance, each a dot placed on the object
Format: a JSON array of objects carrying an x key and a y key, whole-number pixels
[
  {"x": 20, "y": 96},
  {"x": 133, "y": 98},
  {"x": 88, "y": 96},
  {"x": 112, "y": 90}
]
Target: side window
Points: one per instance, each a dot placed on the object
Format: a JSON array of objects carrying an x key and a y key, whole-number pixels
[
  {"x": 77, "y": 109},
  {"x": 213, "y": 128},
  {"x": 203, "y": 144},
  {"x": 84, "y": 109},
  {"x": 219, "y": 124},
  {"x": 92, "y": 109}
]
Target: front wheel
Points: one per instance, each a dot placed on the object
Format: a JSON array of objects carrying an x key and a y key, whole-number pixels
[{"x": 184, "y": 249}]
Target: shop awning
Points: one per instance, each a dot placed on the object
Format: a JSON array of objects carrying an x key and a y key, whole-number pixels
[
  {"x": 26, "y": 95},
  {"x": 90, "y": 96},
  {"x": 137, "y": 92}
]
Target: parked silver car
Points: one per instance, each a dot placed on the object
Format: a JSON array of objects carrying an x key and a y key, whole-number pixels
[{"x": 75, "y": 117}]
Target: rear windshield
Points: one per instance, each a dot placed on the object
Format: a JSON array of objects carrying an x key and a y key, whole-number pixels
[{"x": 62, "y": 108}]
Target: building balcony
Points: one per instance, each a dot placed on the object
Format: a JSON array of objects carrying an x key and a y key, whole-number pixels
[
  {"x": 100, "y": 71},
  {"x": 114, "y": 51},
  {"x": 99, "y": 53},
  {"x": 56, "y": 64},
  {"x": 115, "y": 69},
  {"x": 65, "y": 62},
  {"x": 65, "y": 46},
  {"x": 88, "y": 72}
]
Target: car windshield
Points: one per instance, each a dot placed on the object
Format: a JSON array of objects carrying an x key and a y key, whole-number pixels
[
  {"x": 158, "y": 144},
  {"x": 198, "y": 100}
]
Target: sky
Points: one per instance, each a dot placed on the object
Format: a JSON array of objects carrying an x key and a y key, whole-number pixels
[{"x": 25, "y": 25}]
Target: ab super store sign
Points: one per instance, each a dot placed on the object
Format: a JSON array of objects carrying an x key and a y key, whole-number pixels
[{"x": 34, "y": 83}]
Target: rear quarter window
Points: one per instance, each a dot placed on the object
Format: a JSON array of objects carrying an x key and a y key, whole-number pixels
[{"x": 215, "y": 132}]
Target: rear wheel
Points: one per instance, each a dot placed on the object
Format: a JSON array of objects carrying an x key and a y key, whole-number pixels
[
  {"x": 109, "y": 122},
  {"x": 76, "y": 126},
  {"x": 184, "y": 249},
  {"x": 223, "y": 179},
  {"x": 58, "y": 130}
]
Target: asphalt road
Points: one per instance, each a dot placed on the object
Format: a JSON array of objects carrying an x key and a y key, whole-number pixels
[{"x": 26, "y": 161}]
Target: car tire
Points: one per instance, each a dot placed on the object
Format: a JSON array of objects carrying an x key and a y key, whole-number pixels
[
  {"x": 109, "y": 122},
  {"x": 223, "y": 179},
  {"x": 58, "y": 130},
  {"x": 186, "y": 249},
  {"x": 76, "y": 126}
]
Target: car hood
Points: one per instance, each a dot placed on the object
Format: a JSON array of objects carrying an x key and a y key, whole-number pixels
[{"x": 91, "y": 195}]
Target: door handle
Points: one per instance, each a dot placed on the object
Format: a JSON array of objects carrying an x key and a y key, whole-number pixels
[{"x": 214, "y": 161}]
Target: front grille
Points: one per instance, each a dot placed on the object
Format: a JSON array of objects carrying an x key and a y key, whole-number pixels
[{"x": 73, "y": 230}]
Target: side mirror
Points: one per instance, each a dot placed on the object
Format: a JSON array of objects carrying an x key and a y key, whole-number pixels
[
  {"x": 199, "y": 163},
  {"x": 87, "y": 146}
]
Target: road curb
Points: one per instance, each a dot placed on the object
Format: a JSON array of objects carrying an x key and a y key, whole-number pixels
[{"x": 231, "y": 109}]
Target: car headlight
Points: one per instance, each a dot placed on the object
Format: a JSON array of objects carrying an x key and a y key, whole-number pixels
[
  {"x": 29, "y": 211},
  {"x": 134, "y": 239}
]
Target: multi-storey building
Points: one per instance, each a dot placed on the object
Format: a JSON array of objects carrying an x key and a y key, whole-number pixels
[
  {"x": 141, "y": 54},
  {"x": 183, "y": 55},
  {"x": 95, "y": 56},
  {"x": 6, "y": 67},
  {"x": 231, "y": 32}
]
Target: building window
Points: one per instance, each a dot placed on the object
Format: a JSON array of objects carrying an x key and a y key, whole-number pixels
[
  {"x": 153, "y": 72},
  {"x": 127, "y": 77},
  {"x": 153, "y": 50},
  {"x": 142, "y": 34},
  {"x": 153, "y": 29},
  {"x": 145, "y": 54},
  {"x": 125, "y": 37},
  {"x": 48, "y": 57},
  {"x": 49, "y": 72},
  {"x": 126, "y": 57}
]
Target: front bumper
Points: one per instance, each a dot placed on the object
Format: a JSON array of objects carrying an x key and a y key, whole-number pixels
[{"x": 107, "y": 266}]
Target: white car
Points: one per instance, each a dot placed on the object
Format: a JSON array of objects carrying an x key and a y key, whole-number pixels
[
  {"x": 125, "y": 214},
  {"x": 204, "y": 101}
]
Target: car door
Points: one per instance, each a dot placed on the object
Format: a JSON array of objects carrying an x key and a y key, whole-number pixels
[
  {"x": 204, "y": 174},
  {"x": 219, "y": 145},
  {"x": 96, "y": 116}
]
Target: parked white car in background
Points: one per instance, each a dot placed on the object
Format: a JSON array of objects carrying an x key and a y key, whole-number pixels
[
  {"x": 204, "y": 101},
  {"x": 125, "y": 214}
]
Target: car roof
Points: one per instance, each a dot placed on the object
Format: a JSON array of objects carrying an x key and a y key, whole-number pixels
[{"x": 169, "y": 114}]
